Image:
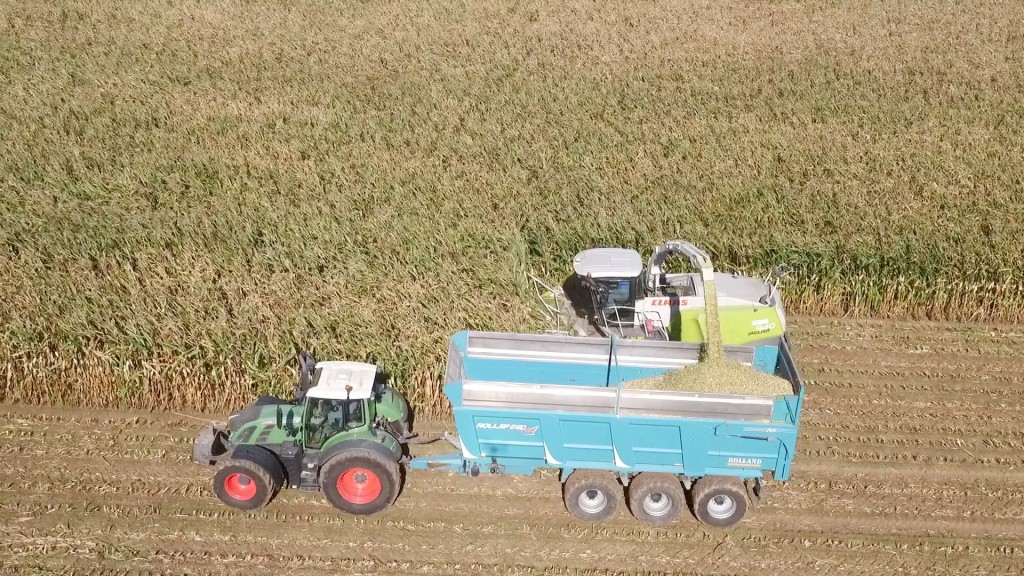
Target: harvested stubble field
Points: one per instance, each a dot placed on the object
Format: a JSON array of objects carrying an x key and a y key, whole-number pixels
[
  {"x": 910, "y": 462},
  {"x": 193, "y": 190}
]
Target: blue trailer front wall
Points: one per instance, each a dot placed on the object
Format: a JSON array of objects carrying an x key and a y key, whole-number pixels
[{"x": 693, "y": 447}]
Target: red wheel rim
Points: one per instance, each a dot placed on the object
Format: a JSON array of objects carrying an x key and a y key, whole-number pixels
[
  {"x": 240, "y": 487},
  {"x": 359, "y": 485}
]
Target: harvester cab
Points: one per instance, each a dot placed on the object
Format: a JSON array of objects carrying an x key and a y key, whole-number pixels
[
  {"x": 344, "y": 434},
  {"x": 612, "y": 294},
  {"x": 611, "y": 279}
]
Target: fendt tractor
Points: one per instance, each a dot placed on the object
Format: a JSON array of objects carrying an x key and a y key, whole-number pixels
[
  {"x": 345, "y": 434},
  {"x": 524, "y": 402},
  {"x": 611, "y": 293}
]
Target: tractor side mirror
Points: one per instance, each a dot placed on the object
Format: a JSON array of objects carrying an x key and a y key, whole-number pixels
[{"x": 289, "y": 422}]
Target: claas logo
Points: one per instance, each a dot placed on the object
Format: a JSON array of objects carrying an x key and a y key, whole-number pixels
[
  {"x": 667, "y": 302},
  {"x": 526, "y": 430}
]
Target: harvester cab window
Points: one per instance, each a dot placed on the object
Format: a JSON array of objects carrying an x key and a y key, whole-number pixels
[
  {"x": 620, "y": 291},
  {"x": 620, "y": 301},
  {"x": 327, "y": 417}
]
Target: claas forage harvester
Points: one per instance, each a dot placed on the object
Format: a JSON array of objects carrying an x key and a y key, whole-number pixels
[{"x": 524, "y": 402}]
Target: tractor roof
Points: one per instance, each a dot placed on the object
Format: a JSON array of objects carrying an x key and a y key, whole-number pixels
[
  {"x": 333, "y": 377},
  {"x": 608, "y": 263}
]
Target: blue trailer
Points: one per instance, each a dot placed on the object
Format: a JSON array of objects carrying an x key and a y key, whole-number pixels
[{"x": 524, "y": 401}]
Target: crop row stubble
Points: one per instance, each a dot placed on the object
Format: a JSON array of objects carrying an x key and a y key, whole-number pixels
[{"x": 886, "y": 479}]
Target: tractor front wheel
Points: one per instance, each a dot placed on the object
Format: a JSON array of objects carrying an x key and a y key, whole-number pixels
[
  {"x": 244, "y": 484},
  {"x": 360, "y": 482}
]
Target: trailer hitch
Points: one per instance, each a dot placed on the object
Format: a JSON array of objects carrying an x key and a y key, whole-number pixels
[{"x": 425, "y": 439}]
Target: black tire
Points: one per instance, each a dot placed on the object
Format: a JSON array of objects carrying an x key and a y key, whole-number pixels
[
  {"x": 719, "y": 501},
  {"x": 591, "y": 495},
  {"x": 244, "y": 484},
  {"x": 360, "y": 482},
  {"x": 656, "y": 498}
]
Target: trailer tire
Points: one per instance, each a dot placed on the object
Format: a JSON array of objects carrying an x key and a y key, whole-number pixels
[
  {"x": 244, "y": 484},
  {"x": 656, "y": 498},
  {"x": 591, "y": 495},
  {"x": 360, "y": 482},
  {"x": 719, "y": 501}
]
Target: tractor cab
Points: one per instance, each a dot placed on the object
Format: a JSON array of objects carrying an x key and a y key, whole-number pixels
[{"x": 337, "y": 400}]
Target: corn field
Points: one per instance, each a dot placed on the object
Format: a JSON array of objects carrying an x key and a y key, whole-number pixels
[{"x": 192, "y": 192}]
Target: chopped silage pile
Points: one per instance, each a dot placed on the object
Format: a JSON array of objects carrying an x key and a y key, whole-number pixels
[
  {"x": 718, "y": 377},
  {"x": 715, "y": 374}
]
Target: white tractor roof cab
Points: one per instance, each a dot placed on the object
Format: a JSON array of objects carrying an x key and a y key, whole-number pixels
[
  {"x": 341, "y": 380},
  {"x": 608, "y": 263}
]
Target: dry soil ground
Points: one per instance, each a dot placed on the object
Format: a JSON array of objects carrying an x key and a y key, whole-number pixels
[{"x": 910, "y": 462}]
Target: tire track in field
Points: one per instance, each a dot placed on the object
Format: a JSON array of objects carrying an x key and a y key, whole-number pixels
[
  {"x": 736, "y": 555},
  {"x": 131, "y": 499},
  {"x": 970, "y": 364},
  {"x": 841, "y": 331},
  {"x": 243, "y": 538}
]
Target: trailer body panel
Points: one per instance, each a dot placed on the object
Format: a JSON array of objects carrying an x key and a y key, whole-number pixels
[{"x": 523, "y": 402}]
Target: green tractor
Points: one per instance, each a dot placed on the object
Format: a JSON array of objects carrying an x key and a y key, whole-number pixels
[{"x": 344, "y": 435}]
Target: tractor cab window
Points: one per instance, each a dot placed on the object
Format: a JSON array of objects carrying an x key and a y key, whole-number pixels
[{"x": 326, "y": 417}]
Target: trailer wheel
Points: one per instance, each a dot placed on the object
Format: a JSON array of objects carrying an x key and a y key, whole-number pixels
[
  {"x": 591, "y": 495},
  {"x": 656, "y": 498},
  {"x": 360, "y": 482},
  {"x": 719, "y": 500},
  {"x": 244, "y": 484}
]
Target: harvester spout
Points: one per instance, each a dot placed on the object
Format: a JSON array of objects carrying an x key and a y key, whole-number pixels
[
  {"x": 702, "y": 261},
  {"x": 698, "y": 258}
]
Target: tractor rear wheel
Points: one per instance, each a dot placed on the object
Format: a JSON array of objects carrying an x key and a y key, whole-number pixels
[
  {"x": 719, "y": 500},
  {"x": 591, "y": 494},
  {"x": 244, "y": 484},
  {"x": 360, "y": 482},
  {"x": 656, "y": 498}
]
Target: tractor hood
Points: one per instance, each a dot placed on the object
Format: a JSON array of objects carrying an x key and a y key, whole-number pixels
[
  {"x": 392, "y": 405},
  {"x": 263, "y": 409},
  {"x": 244, "y": 416}
]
